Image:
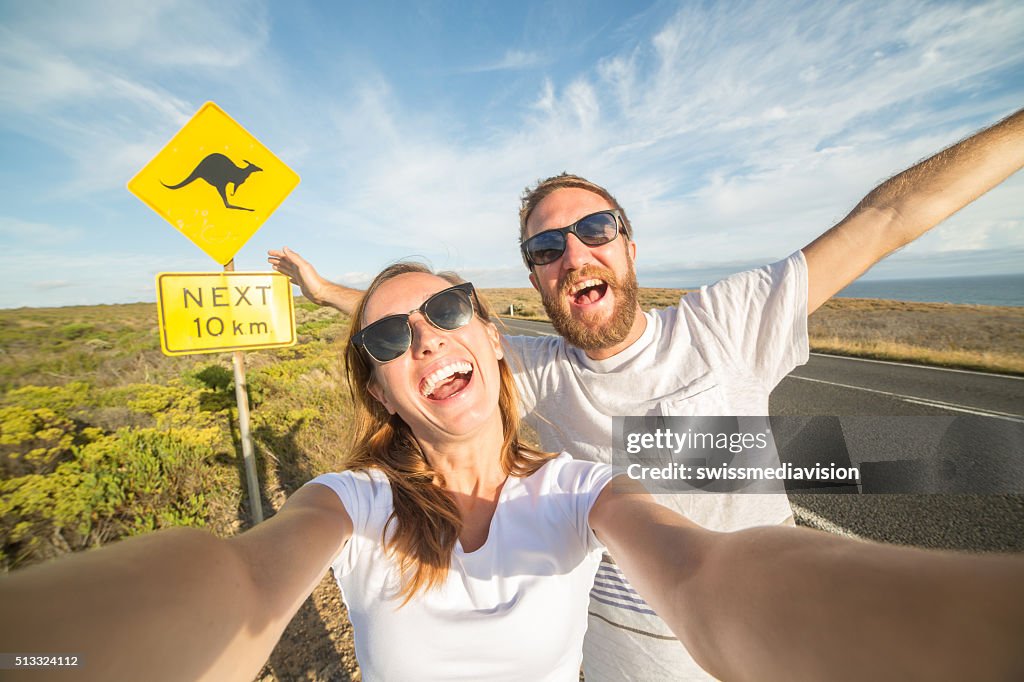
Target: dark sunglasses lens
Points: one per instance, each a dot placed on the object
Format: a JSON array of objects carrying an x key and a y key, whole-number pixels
[
  {"x": 387, "y": 339},
  {"x": 546, "y": 247},
  {"x": 597, "y": 229},
  {"x": 449, "y": 309}
]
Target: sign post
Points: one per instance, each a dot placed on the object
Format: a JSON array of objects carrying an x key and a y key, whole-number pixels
[
  {"x": 216, "y": 184},
  {"x": 242, "y": 399}
]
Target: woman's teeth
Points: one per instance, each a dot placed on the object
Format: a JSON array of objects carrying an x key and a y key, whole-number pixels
[{"x": 439, "y": 376}]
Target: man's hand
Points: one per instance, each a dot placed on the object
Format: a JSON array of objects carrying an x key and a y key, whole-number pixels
[
  {"x": 314, "y": 287},
  {"x": 909, "y": 204}
]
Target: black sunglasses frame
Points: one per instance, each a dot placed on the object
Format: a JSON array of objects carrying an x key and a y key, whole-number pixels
[
  {"x": 564, "y": 231},
  {"x": 465, "y": 288}
]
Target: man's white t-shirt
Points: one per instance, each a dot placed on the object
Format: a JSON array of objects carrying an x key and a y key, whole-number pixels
[
  {"x": 720, "y": 352},
  {"x": 514, "y": 609}
]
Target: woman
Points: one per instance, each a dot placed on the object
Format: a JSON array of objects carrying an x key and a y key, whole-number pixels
[
  {"x": 489, "y": 539},
  {"x": 490, "y": 552}
]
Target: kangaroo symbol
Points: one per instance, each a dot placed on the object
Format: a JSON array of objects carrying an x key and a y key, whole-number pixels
[{"x": 219, "y": 171}]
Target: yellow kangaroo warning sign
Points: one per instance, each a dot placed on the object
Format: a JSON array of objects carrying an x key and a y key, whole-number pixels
[
  {"x": 202, "y": 312},
  {"x": 214, "y": 182}
]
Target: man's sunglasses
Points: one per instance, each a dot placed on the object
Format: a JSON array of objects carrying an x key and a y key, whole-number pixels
[
  {"x": 595, "y": 229},
  {"x": 389, "y": 337}
]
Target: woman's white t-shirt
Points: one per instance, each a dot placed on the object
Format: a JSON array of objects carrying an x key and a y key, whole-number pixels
[{"x": 514, "y": 609}]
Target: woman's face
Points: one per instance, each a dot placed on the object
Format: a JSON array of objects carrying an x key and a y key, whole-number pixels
[{"x": 447, "y": 384}]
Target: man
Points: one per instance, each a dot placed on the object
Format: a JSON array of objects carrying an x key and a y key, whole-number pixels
[{"x": 719, "y": 352}]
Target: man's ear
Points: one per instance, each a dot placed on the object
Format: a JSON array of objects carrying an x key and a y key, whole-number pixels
[
  {"x": 377, "y": 392},
  {"x": 631, "y": 249},
  {"x": 533, "y": 280}
]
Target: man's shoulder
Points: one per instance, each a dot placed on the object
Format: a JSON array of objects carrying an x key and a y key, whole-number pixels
[{"x": 534, "y": 348}]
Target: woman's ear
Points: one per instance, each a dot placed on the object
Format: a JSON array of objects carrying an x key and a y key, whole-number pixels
[
  {"x": 374, "y": 389},
  {"x": 495, "y": 338}
]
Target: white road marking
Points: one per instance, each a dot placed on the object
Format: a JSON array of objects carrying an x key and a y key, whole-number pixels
[
  {"x": 906, "y": 364},
  {"x": 923, "y": 401},
  {"x": 815, "y": 520}
]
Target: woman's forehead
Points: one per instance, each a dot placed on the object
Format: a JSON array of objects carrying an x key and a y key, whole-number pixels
[{"x": 401, "y": 294}]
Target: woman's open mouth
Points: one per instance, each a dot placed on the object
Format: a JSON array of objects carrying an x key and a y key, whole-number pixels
[{"x": 447, "y": 381}]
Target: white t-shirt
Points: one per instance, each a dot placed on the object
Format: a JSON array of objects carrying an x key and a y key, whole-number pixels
[
  {"x": 719, "y": 353},
  {"x": 514, "y": 609}
]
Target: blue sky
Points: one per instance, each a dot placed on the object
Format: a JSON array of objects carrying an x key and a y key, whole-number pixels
[{"x": 733, "y": 133}]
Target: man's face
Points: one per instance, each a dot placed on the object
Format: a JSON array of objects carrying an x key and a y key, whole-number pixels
[{"x": 590, "y": 293}]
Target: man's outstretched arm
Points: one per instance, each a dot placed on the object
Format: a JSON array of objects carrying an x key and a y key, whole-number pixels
[
  {"x": 907, "y": 205},
  {"x": 313, "y": 286}
]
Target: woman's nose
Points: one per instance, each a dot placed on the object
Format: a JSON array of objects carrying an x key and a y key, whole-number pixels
[{"x": 426, "y": 338}]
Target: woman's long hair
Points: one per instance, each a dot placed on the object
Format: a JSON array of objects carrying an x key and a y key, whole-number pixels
[{"x": 425, "y": 522}]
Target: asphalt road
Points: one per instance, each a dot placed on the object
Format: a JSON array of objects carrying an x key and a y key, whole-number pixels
[{"x": 916, "y": 411}]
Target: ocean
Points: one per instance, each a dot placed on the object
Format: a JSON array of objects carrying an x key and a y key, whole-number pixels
[{"x": 1006, "y": 290}]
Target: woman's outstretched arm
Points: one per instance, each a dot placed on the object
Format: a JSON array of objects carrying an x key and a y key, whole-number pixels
[
  {"x": 178, "y": 604},
  {"x": 798, "y": 604}
]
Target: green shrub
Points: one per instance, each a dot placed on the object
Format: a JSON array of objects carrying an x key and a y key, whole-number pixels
[{"x": 127, "y": 483}]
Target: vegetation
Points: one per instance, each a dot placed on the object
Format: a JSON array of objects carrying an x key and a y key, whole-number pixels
[{"x": 103, "y": 437}]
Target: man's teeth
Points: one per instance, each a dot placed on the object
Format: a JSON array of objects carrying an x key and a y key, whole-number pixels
[
  {"x": 437, "y": 376},
  {"x": 585, "y": 284}
]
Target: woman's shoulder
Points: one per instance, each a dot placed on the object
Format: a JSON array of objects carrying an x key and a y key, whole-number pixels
[
  {"x": 363, "y": 486},
  {"x": 566, "y": 474}
]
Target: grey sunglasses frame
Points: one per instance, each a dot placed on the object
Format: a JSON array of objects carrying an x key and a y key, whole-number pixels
[{"x": 466, "y": 287}]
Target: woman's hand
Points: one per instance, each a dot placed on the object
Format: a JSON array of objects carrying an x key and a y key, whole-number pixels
[{"x": 180, "y": 603}]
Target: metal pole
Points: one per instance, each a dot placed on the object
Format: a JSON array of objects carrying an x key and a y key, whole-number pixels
[{"x": 242, "y": 398}]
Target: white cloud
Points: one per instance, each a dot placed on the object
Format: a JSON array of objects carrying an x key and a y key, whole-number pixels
[
  {"x": 512, "y": 60},
  {"x": 83, "y": 77},
  {"x": 732, "y": 134},
  {"x": 53, "y": 284},
  {"x": 15, "y": 230}
]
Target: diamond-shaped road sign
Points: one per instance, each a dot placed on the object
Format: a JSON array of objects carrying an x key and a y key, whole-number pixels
[{"x": 214, "y": 182}]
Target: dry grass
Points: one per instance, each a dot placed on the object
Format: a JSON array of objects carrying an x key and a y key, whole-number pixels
[{"x": 986, "y": 338}]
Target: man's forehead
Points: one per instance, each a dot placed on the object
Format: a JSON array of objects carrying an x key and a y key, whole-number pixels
[{"x": 564, "y": 207}]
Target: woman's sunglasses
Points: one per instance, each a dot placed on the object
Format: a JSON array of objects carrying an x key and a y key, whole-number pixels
[
  {"x": 595, "y": 229},
  {"x": 389, "y": 337}
]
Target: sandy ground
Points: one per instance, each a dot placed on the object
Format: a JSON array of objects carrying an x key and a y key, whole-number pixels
[{"x": 317, "y": 645}]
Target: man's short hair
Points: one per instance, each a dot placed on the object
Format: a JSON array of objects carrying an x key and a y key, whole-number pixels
[{"x": 533, "y": 196}]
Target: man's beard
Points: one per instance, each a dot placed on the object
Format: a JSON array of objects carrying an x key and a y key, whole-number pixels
[{"x": 597, "y": 334}]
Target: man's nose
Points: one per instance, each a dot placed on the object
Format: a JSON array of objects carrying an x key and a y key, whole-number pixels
[{"x": 577, "y": 254}]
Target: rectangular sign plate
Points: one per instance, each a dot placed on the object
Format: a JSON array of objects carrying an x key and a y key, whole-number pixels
[{"x": 224, "y": 311}]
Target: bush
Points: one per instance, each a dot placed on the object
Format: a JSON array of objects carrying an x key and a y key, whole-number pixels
[{"x": 127, "y": 483}]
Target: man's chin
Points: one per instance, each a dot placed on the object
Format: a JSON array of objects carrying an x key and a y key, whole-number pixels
[
  {"x": 604, "y": 325},
  {"x": 588, "y": 330}
]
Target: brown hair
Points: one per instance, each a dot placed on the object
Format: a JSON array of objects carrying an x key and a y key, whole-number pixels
[
  {"x": 533, "y": 196},
  {"x": 426, "y": 522}
]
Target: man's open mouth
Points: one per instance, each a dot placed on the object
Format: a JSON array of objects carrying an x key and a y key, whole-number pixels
[
  {"x": 588, "y": 291},
  {"x": 447, "y": 381}
]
